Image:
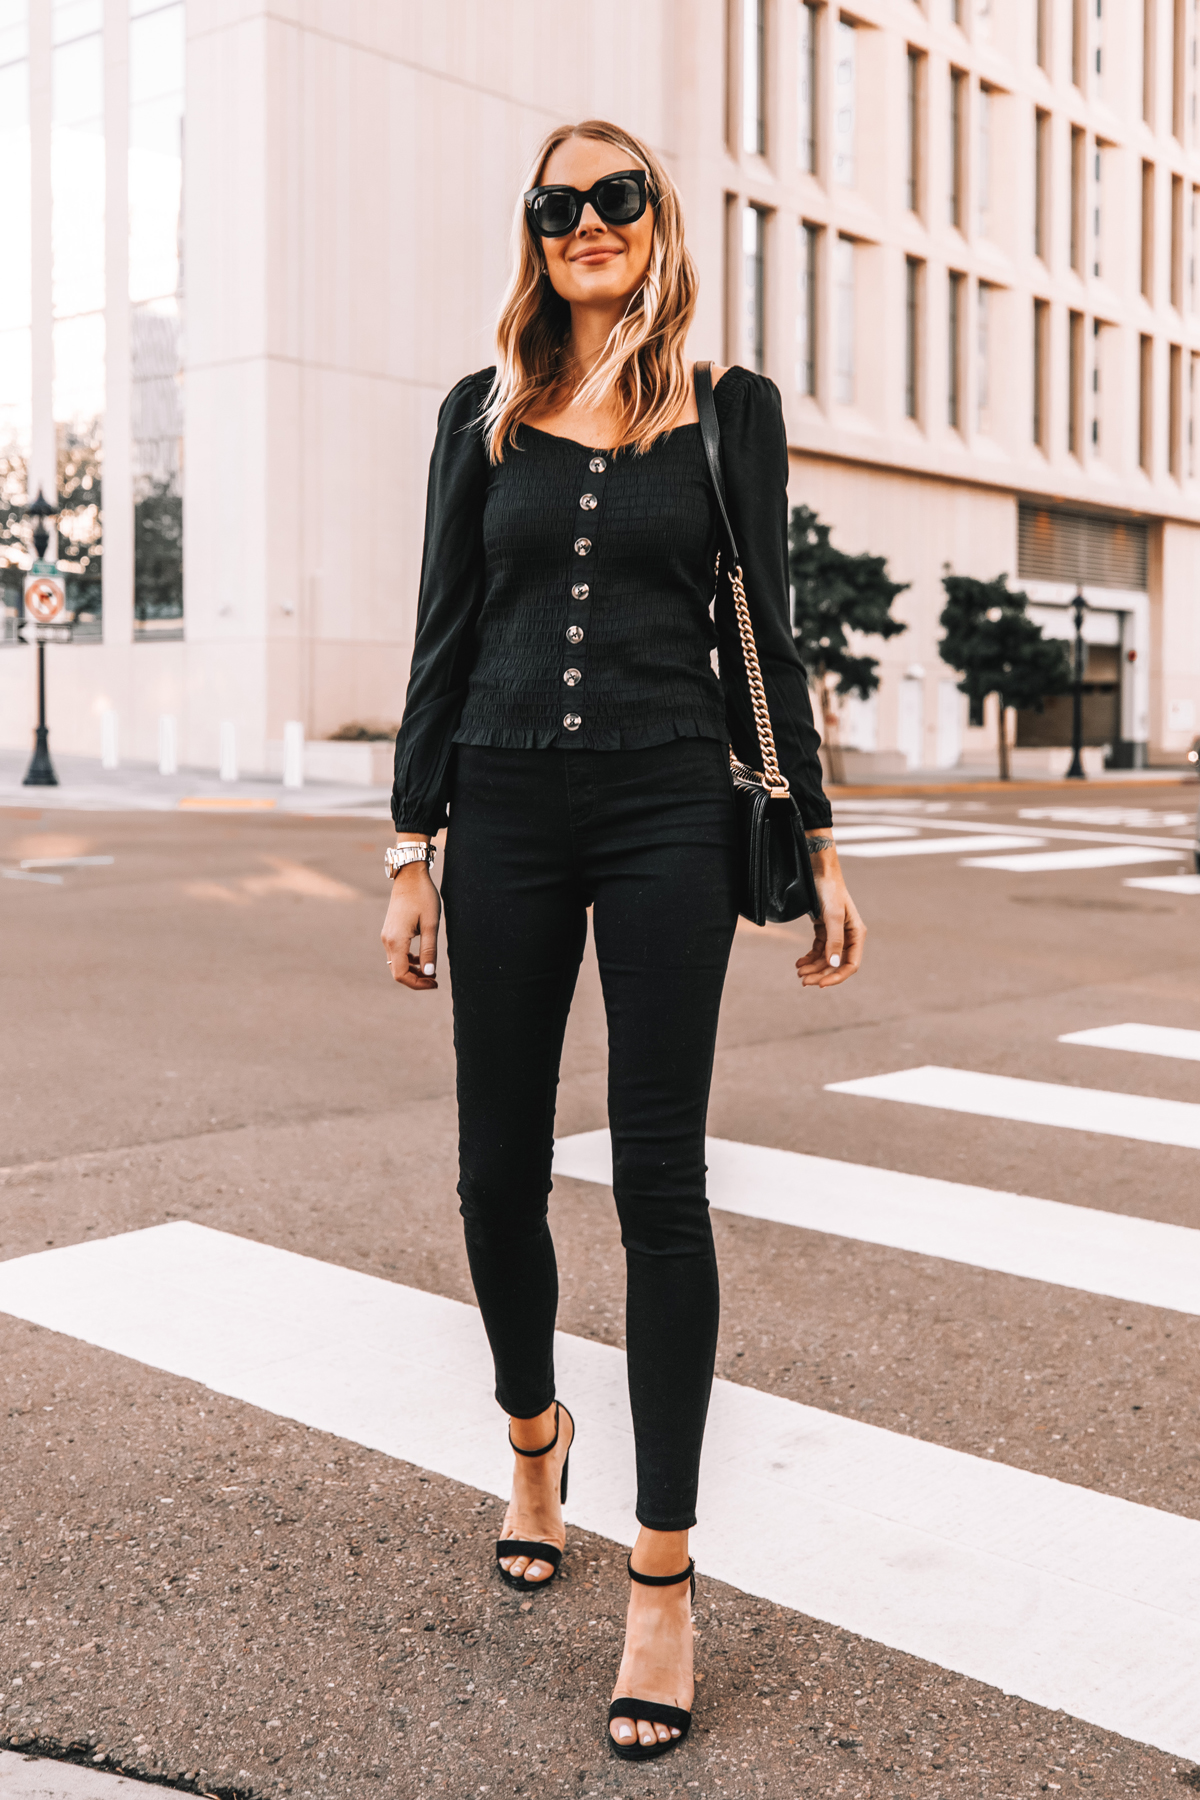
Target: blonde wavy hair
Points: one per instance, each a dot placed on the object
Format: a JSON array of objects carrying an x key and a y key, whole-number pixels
[{"x": 642, "y": 363}]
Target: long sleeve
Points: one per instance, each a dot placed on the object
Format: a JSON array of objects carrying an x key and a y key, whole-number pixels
[
  {"x": 755, "y": 464},
  {"x": 451, "y": 593}
]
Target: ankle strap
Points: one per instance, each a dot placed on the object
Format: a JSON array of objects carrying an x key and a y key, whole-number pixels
[
  {"x": 660, "y": 1580},
  {"x": 546, "y": 1448}
]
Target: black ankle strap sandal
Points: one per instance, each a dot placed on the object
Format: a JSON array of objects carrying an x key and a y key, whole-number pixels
[
  {"x": 536, "y": 1552},
  {"x": 655, "y": 1712}
]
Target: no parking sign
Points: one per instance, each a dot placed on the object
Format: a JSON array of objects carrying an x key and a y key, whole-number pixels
[{"x": 45, "y": 599}]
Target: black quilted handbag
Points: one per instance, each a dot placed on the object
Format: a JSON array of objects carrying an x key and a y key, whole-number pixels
[{"x": 776, "y": 870}]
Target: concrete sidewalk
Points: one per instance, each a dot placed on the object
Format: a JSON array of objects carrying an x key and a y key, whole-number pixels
[
  {"x": 43, "y": 1778},
  {"x": 138, "y": 787}
]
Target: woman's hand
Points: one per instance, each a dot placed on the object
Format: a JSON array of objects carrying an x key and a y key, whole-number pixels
[
  {"x": 414, "y": 910},
  {"x": 839, "y": 932}
]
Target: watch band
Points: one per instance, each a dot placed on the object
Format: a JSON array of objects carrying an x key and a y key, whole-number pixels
[{"x": 400, "y": 855}]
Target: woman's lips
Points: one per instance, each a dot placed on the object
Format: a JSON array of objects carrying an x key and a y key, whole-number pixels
[{"x": 595, "y": 257}]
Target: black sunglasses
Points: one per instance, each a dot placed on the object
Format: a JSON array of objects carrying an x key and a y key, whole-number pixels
[{"x": 617, "y": 199}]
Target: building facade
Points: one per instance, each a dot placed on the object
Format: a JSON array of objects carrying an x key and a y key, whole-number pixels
[{"x": 247, "y": 250}]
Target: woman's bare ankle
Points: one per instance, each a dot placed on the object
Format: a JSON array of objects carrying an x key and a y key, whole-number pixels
[
  {"x": 660, "y": 1552},
  {"x": 535, "y": 1433}
]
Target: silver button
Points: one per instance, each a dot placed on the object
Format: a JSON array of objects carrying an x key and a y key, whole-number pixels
[
  {"x": 582, "y": 546},
  {"x": 574, "y": 634},
  {"x": 588, "y": 502},
  {"x": 572, "y": 677},
  {"x": 580, "y": 591},
  {"x": 597, "y": 465},
  {"x": 572, "y": 721}
]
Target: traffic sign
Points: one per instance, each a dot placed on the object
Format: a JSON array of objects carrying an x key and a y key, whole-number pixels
[{"x": 45, "y": 598}]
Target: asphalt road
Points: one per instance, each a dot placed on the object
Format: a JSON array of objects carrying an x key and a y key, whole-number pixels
[{"x": 202, "y": 1029}]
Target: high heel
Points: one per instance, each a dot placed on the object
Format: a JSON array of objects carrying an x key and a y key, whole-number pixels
[
  {"x": 536, "y": 1552},
  {"x": 655, "y": 1712}
]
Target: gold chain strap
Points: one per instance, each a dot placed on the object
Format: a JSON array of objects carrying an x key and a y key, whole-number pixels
[{"x": 772, "y": 774}]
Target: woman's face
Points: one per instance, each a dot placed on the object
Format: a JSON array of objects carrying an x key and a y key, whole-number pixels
[{"x": 596, "y": 263}]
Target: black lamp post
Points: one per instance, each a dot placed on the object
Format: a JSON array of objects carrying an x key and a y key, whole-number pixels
[
  {"x": 1075, "y": 772},
  {"x": 40, "y": 772}
]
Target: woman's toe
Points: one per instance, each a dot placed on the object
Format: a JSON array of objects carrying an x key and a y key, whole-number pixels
[
  {"x": 663, "y": 1733},
  {"x": 518, "y": 1565},
  {"x": 622, "y": 1730},
  {"x": 538, "y": 1571},
  {"x": 646, "y": 1732}
]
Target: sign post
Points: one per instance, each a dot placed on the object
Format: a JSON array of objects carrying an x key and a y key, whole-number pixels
[{"x": 46, "y": 621}]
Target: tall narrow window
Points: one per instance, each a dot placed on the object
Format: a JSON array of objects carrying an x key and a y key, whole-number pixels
[
  {"x": 1146, "y": 402},
  {"x": 754, "y": 34},
  {"x": 1149, "y": 52},
  {"x": 1079, "y": 32},
  {"x": 1043, "y": 34},
  {"x": 754, "y": 286},
  {"x": 806, "y": 309},
  {"x": 1193, "y": 359},
  {"x": 1097, "y": 396},
  {"x": 16, "y": 376},
  {"x": 1096, "y": 47},
  {"x": 1041, "y": 349},
  {"x": 912, "y": 136},
  {"x": 1097, "y": 210},
  {"x": 1041, "y": 183},
  {"x": 156, "y": 88},
  {"x": 1177, "y": 241},
  {"x": 954, "y": 322},
  {"x": 912, "y": 328},
  {"x": 1148, "y": 230},
  {"x": 1179, "y": 72},
  {"x": 958, "y": 120},
  {"x": 806, "y": 88},
  {"x": 844, "y": 304},
  {"x": 1076, "y": 345},
  {"x": 845, "y": 100},
  {"x": 1175, "y": 413},
  {"x": 1192, "y": 252},
  {"x": 983, "y": 357},
  {"x": 983, "y": 179},
  {"x": 1078, "y": 196}
]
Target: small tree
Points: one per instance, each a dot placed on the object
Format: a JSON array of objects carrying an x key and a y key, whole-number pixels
[
  {"x": 999, "y": 650},
  {"x": 834, "y": 594}
]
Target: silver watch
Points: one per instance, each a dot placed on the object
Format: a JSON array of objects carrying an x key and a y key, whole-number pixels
[{"x": 400, "y": 855}]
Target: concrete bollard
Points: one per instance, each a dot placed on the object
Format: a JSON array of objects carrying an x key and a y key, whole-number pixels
[
  {"x": 229, "y": 763},
  {"x": 168, "y": 745},
  {"x": 110, "y": 757},
  {"x": 293, "y": 753}
]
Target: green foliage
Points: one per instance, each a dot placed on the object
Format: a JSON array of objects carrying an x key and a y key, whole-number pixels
[
  {"x": 997, "y": 649},
  {"x": 835, "y": 594}
]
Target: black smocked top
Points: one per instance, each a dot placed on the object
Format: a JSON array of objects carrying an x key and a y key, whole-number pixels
[{"x": 565, "y": 599}]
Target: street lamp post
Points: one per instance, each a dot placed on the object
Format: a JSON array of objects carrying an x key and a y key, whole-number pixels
[
  {"x": 1075, "y": 772},
  {"x": 40, "y": 772}
]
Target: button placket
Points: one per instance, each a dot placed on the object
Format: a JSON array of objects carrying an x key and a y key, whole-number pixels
[{"x": 580, "y": 585}]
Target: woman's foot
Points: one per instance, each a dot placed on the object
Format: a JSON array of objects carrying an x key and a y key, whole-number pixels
[
  {"x": 535, "y": 1511},
  {"x": 657, "y": 1663}
]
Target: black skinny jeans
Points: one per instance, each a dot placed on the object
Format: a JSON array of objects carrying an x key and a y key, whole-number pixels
[{"x": 648, "y": 839}]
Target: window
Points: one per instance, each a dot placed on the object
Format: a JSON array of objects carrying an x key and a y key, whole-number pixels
[
  {"x": 912, "y": 326},
  {"x": 843, "y": 285},
  {"x": 1148, "y": 230},
  {"x": 1097, "y": 43},
  {"x": 983, "y": 356},
  {"x": 1043, "y": 34},
  {"x": 912, "y": 136},
  {"x": 806, "y": 309},
  {"x": 1179, "y": 71},
  {"x": 1079, "y": 11},
  {"x": 1041, "y": 361},
  {"x": 1191, "y": 429},
  {"x": 1097, "y": 346},
  {"x": 958, "y": 114},
  {"x": 1177, "y": 241},
  {"x": 754, "y": 31},
  {"x": 1076, "y": 342},
  {"x": 1145, "y": 402},
  {"x": 1149, "y": 41},
  {"x": 16, "y": 373},
  {"x": 1041, "y": 183},
  {"x": 1078, "y": 195},
  {"x": 983, "y": 182},
  {"x": 845, "y": 77},
  {"x": 753, "y": 286},
  {"x": 1175, "y": 413},
  {"x": 806, "y": 91},
  {"x": 1097, "y": 210},
  {"x": 1192, "y": 254},
  {"x": 957, "y": 288}
]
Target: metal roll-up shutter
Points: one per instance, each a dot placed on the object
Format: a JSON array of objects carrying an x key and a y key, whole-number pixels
[{"x": 1057, "y": 544}]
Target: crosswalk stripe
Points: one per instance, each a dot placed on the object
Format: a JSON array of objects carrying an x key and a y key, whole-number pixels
[
  {"x": 1138, "y": 1116},
  {"x": 948, "y": 846},
  {"x": 1042, "y": 1240},
  {"x": 1168, "y": 884},
  {"x": 1146, "y": 1040},
  {"x": 859, "y": 834},
  {"x": 1072, "y": 1599},
  {"x": 1103, "y": 856}
]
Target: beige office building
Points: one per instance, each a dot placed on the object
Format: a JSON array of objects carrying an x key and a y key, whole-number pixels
[{"x": 246, "y": 251}]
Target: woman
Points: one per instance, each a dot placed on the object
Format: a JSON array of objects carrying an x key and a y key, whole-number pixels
[{"x": 563, "y": 704}]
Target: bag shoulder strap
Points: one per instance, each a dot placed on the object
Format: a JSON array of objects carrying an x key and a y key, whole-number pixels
[{"x": 710, "y": 432}]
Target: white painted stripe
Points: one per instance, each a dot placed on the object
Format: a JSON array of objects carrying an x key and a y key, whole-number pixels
[
  {"x": 1104, "y": 856},
  {"x": 859, "y": 834},
  {"x": 1015, "y": 1234},
  {"x": 1036, "y": 1103},
  {"x": 29, "y": 875},
  {"x": 1145, "y": 1040},
  {"x": 1070, "y": 1598},
  {"x": 1168, "y": 884},
  {"x": 949, "y": 846},
  {"x": 43, "y": 1778}
]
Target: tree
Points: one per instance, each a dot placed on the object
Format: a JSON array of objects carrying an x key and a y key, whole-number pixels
[
  {"x": 834, "y": 594},
  {"x": 998, "y": 650}
]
